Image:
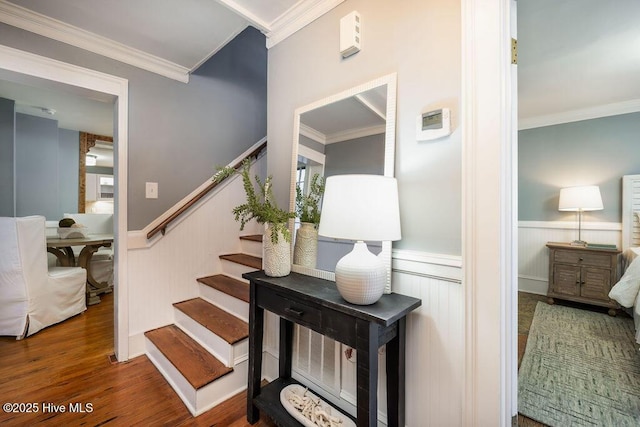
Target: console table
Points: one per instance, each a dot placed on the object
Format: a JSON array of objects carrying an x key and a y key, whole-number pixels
[{"x": 316, "y": 304}]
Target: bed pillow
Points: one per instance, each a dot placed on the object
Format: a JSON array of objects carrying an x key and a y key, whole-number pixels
[{"x": 626, "y": 290}]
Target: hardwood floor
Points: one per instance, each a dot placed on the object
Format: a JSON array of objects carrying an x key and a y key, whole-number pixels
[{"x": 68, "y": 366}]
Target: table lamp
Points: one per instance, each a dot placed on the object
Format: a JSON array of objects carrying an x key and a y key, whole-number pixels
[
  {"x": 579, "y": 199},
  {"x": 360, "y": 207}
]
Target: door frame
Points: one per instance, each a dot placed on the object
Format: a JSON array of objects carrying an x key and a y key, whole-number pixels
[
  {"x": 30, "y": 64},
  {"x": 489, "y": 213}
]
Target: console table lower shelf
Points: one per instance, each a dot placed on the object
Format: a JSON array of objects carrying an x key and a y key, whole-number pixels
[
  {"x": 316, "y": 304},
  {"x": 268, "y": 401}
]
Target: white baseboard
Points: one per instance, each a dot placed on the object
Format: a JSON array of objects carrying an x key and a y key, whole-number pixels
[{"x": 533, "y": 285}]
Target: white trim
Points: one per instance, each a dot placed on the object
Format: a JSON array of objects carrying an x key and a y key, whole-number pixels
[
  {"x": 37, "y": 23},
  {"x": 254, "y": 19},
  {"x": 226, "y": 41},
  {"x": 572, "y": 225},
  {"x": 312, "y": 134},
  {"x": 355, "y": 133},
  {"x": 296, "y": 18},
  {"x": 625, "y": 107},
  {"x": 45, "y": 68},
  {"x": 489, "y": 230},
  {"x": 138, "y": 238},
  {"x": 311, "y": 154},
  {"x": 436, "y": 266}
]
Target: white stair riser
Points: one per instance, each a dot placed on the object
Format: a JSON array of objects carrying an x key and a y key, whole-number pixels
[
  {"x": 215, "y": 345},
  {"x": 207, "y": 397},
  {"x": 223, "y": 388},
  {"x": 228, "y": 303},
  {"x": 236, "y": 270},
  {"x": 252, "y": 248},
  {"x": 179, "y": 383}
]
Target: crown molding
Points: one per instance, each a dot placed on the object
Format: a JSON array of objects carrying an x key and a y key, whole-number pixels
[
  {"x": 37, "y": 23},
  {"x": 313, "y": 134},
  {"x": 254, "y": 19},
  {"x": 625, "y": 107},
  {"x": 355, "y": 133},
  {"x": 296, "y": 18}
]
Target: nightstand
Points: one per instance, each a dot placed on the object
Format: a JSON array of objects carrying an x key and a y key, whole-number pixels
[{"x": 582, "y": 274}]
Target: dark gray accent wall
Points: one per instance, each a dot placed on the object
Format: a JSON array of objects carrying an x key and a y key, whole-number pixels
[
  {"x": 7, "y": 134},
  {"x": 36, "y": 171},
  {"x": 589, "y": 152},
  {"x": 361, "y": 155},
  {"x": 68, "y": 164},
  {"x": 178, "y": 133}
]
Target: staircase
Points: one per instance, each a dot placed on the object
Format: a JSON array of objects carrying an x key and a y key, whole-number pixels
[{"x": 204, "y": 355}]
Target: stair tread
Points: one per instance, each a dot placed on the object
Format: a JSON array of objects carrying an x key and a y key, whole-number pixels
[
  {"x": 230, "y": 286},
  {"x": 223, "y": 324},
  {"x": 252, "y": 237},
  {"x": 244, "y": 259},
  {"x": 196, "y": 364}
]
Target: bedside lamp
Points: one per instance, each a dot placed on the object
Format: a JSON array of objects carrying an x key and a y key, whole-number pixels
[
  {"x": 579, "y": 199},
  {"x": 360, "y": 207}
]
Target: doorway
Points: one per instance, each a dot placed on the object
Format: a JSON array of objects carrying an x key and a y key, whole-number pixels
[{"x": 24, "y": 66}]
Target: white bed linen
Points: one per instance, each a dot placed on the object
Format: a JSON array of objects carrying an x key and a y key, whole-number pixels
[{"x": 629, "y": 256}]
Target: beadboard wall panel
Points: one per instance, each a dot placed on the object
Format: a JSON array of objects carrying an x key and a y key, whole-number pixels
[
  {"x": 533, "y": 255},
  {"x": 435, "y": 342},
  {"x": 166, "y": 272}
]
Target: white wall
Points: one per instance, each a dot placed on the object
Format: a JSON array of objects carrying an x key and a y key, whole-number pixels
[{"x": 418, "y": 39}]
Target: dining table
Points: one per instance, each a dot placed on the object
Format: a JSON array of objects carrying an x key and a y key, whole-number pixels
[{"x": 63, "y": 250}]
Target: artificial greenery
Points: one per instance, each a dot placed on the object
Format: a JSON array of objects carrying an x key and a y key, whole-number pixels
[
  {"x": 308, "y": 206},
  {"x": 259, "y": 205}
]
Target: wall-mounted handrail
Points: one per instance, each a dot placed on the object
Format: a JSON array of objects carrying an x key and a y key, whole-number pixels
[{"x": 162, "y": 227}]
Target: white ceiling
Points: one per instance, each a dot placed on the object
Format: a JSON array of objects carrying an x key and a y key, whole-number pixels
[{"x": 577, "y": 59}]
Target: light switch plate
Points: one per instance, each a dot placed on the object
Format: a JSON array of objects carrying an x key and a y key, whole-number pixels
[{"x": 151, "y": 190}]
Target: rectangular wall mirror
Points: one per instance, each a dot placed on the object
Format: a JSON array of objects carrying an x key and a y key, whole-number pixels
[{"x": 352, "y": 132}]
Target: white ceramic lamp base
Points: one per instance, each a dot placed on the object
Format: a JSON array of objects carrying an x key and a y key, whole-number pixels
[{"x": 361, "y": 276}]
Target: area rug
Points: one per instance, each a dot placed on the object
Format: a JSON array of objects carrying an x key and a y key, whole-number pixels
[{"x": 580, "y": 368}]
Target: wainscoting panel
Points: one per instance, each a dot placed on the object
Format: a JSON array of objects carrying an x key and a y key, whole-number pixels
[
  {"x": 166, "y": 272},
  {"x": 533, "y": 255}
]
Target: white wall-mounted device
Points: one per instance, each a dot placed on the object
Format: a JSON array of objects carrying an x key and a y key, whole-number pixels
[
  {"x": 350, "y": 34},
  {"x": 433, "y": 124}
]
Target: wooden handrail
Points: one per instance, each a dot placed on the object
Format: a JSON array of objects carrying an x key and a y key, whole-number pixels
[{"x": 162, "y": 227}]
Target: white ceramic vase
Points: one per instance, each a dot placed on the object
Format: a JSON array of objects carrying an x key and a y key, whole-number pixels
[
  {"x": 305, "y": 251},
  {"x": 277, "y": 256}
]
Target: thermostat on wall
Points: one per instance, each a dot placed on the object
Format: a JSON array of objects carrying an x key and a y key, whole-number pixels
[{"x": 433, "y": 125}]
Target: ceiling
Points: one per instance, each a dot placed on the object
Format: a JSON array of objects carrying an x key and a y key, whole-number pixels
[
  {"x": 173, "y": 41},
  {"x": 577, "y": 59},
  {"x": 357, "y": 116}
]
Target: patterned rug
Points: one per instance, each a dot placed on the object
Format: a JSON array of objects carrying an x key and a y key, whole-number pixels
[{"x": 580, "y": 368}]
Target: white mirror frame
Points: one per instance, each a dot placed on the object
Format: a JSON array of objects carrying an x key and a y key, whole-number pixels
[{"x": 389, "y": 161}]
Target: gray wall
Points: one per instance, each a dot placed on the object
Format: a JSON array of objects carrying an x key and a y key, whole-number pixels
[
  {"x": 36, "y": 174},
  {"x": 420, "y": 40},
  {"x": 178, "y": 133},
  {"x": 361, "y": 155},
  {"x": 68, "y": 165},
  {"x": 46, "y": 168},
  {"x": 589, "y": 152},
  {"x": 7, "y": 134}
]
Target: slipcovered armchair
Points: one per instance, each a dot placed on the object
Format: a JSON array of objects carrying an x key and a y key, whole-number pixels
[{"x": 33, "y": 296}]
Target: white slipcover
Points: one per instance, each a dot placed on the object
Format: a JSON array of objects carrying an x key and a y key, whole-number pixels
[
  {"x": 32, "y": 296},
  {"x": 102, "y": 260}
]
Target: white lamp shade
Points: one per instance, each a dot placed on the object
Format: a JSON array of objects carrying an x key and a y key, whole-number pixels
[
  {"x": 585, "y": 198},
  {"x": 360, "y": 207}
]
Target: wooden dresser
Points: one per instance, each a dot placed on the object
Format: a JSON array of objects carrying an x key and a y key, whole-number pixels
[{"x": 582, "y": 274}]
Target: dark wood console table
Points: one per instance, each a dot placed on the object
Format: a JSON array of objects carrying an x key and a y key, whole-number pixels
[{"x": 316, "y": 304}]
